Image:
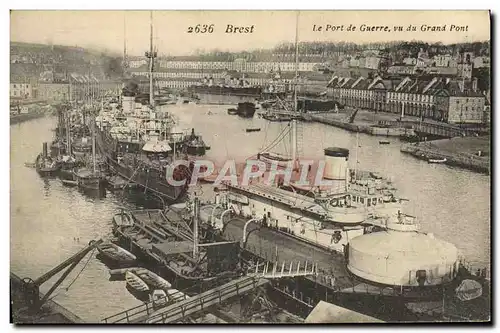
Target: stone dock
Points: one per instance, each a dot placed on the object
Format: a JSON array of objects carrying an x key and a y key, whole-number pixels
[
  {"x": 471, "y": 153},
  {"x": 50, "y": 313}
]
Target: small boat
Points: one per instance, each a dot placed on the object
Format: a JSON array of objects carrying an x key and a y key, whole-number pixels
[
  {"x": 270, "y": 158},
  {"x": 195, "y": 145},
  {"x": 68, "y": 182},
  {"x": 46, "y": 166},
  {"x": 30, "y": 165},
  {"x": 437, "y": 160},
  {"x": 115, "y": 253},
  {"x": 384, "y": 142},
  {"x": 253, "y": 130},
  {"x": 153, "y": 280},
  {"x": 158, "y": 298},
  {"x": 90, "y": 180},
  {"x": 136, "y": 284},
  {"x": 175, "y": 295},
  {"x": 277, "y": 117},
  {"x": 122, "y": 220},
  {"x": 232, "y": 111}
]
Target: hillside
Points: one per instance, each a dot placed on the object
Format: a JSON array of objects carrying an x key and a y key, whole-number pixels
[{"x": 40, "y": 62}]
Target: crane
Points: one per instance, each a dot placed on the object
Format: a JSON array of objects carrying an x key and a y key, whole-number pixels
[{"x": 31, "y": 287}]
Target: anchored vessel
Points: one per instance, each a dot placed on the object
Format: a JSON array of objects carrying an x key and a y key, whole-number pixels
[{"x": 137, "y": 143}]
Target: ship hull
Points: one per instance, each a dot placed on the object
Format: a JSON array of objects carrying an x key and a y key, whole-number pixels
[
  {"x": 151, "y": 181},
  {"x": 207, "y": 98}
]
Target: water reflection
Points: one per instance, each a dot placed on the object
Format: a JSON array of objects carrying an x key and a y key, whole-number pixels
[{"x": 50, "y": 221}]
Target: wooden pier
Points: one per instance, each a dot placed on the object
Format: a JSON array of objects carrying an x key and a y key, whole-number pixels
[{"x": 190, "y": 306}]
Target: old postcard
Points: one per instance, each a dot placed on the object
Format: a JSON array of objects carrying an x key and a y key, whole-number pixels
[{"x": 250, "y": 166}]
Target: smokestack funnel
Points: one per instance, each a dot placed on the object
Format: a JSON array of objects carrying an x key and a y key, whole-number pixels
[{"x": 44, "y": 150}]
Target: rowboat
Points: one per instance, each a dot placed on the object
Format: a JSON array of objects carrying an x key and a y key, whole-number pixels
[
  {"x": 384, "y": 142},
  {"x": 114, "y": 252},
  {"x": 122, "y": 219},
  {"x": 158, "y": 298},
  {"x": 253, "y": 130},
  {"x": 153, "y": 280},
  {"x": 437, "y": 160},
  {"x": 273, "y": 158},
  {"x": 135, "y": 283},
  {"x": 68, "y": 182},
  {"x": 175, "y": 295}
]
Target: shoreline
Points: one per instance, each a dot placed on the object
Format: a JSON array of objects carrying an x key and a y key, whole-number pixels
[
  {"x": 463, "y": 155},
  {"x": 471, "y": 153},
  {"x": 17, "y": 119}
]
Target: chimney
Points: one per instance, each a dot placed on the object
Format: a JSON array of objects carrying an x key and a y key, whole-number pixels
[{"x": 474, "y": 84}]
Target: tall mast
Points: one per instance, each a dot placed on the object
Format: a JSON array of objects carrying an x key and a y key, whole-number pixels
[
  {"x": 93, "y": 146},
  {"x": 356, "y": 165},
  {"x": 196, "y": 211},
  {"x": 151, "y": 55},
  {"x": 295, "y": 107},
  {"x": 124, "y": 41}
]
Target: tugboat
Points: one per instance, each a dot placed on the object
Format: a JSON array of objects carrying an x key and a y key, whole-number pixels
[
  {"x": 46, "y": 165},
  {"x": 194, "y": 145},
  {"x": 91, "y": 179},
  {"x": 246, "y": 109}
]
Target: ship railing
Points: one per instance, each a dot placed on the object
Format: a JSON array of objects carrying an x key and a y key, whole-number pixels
[
  {"x": 477, "y": 268},
  {"x": 283, "y": 270}
]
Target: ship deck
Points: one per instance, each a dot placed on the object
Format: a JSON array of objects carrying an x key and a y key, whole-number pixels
[
  {"x": 291, "y": 199},
  {"x": 276, "y": 247}
]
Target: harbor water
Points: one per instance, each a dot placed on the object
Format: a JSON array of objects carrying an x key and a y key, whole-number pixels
[{"x": 50, "y": 222}]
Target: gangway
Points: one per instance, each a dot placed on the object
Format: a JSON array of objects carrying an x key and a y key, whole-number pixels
[
  {"x": 284, "y": 270},
  {"x": 177, "y": 311}
]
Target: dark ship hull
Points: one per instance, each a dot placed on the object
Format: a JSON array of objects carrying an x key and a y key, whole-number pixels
[
  {"x": 310, "y": 104},
  {"x": 225, "y": 95},
  {"x": 140, "y": 173},
  {"x": 246, "y": 110}
]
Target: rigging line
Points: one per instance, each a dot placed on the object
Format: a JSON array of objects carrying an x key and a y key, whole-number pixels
[
  {"x": 265, "y": 135},
  {"x": 282, "y": 130},
  {"x": 76, "y": 277},
  {"x": 278, "y": 141},
  {"x": 280, "y": 137}
]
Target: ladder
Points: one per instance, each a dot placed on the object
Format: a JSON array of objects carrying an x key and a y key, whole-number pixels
[
  {"x": 300, "y": 139},
  {"x": 269, "y": 270}
]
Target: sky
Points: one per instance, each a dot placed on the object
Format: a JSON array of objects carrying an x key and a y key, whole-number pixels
[{"x": 107, "y": 29}]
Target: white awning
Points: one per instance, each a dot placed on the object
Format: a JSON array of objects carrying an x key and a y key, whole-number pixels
[{"x": 157, "y": 147}]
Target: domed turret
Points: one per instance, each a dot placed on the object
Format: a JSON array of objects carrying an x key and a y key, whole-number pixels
[{"x": 402, "y": 256}]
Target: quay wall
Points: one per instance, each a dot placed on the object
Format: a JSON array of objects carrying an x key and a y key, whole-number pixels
[
  {"x": 465, "y": 161},
  {"x": 52, "y": 312},
  {"x": 25, "y": 117}
]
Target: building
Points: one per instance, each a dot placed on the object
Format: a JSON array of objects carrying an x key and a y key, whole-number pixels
[
  {"x": 437, "y": 98},
  {"x": 481, "y": 62},
  {"x": 410, "y": 61},
  {"x": 462, "y": 103},
  {"x": 464, "y": 70},
  {"x": 136, "y": 62},
  {"x": 21, "y": 90},
  {"x": 402, "y": 70},
  {"x": 361, "y": 92},
  {"x": 442, "y": 60},
  {"x": 54, "y": 91}
]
